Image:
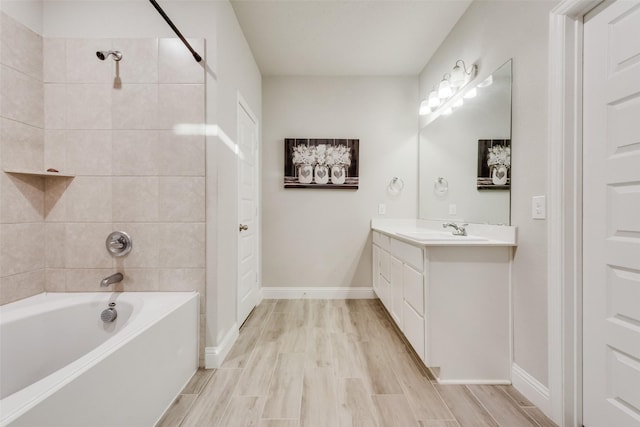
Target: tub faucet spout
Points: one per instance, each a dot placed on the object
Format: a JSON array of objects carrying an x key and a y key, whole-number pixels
[{"x": 114, "y": 278}]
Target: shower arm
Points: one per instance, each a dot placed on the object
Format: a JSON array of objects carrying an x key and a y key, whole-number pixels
[{"x": 175, "y": 30}]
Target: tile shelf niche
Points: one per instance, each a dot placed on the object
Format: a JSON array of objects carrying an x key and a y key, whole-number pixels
[{"x": 37, "y": 173}]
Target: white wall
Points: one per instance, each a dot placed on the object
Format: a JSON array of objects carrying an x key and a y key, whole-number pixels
[
  {"x": 490, "y": 33},
  {"x": 314, "y": 237},
  {"x": 230, "y": 69},
  {"x": 238, "y": 74}
]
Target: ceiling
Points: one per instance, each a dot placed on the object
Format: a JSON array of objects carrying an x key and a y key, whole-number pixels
[{"x": 345, "y": 37}]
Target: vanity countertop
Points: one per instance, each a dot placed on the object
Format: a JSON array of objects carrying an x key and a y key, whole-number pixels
[{"x": 431, "y": 233}]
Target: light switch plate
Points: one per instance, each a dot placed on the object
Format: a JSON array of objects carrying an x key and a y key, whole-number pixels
[
  {"x": 453, "y": 209},
  {"x": 382, "y": 209},
  {"x": 538, "y": 207}
]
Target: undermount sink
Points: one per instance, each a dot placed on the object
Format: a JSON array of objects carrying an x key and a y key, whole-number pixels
[{"x": 438, "y": 236}]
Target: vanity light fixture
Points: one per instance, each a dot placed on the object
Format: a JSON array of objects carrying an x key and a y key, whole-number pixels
[{"x": 450, "y": 86}]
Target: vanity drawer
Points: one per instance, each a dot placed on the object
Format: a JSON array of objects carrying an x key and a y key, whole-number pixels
[
  {"x": 385, "y": 265},
  {"x": 409, "y": 254},
  {"x": 413, "y": 291},
  {"x": 384, "y": 293},
  {"x": 414, "y": 329},
  {"x": 381, "y": 240}
]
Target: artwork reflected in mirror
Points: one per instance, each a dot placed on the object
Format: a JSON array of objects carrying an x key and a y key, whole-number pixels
[
  {"x": 321, "y": 163},
  {"x": 494, "y": 164},
  {"x": 470, "y": 150}
]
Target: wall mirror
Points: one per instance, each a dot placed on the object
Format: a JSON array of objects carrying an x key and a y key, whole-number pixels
[{"x": 465, "y": 156}]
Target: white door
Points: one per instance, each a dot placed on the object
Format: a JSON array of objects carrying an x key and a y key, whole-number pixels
[
  {"x": 611, "y": 234},
  {"x": 248, "y": 292}
]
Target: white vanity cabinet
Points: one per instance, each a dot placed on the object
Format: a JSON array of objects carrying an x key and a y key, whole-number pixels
[
  {"x": 402, "y": 290},
  {"x": 451, "y": 303}
]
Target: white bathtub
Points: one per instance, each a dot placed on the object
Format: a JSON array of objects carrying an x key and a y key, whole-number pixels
[{"x": 62, "y": 366}]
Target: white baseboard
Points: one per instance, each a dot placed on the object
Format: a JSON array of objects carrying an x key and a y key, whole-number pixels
[
  {"x": 214, "y": 356},
  {"x": 333, "y": 292},
  {"x": 531, "y": 388},
  {"x": 480, "y": 382}
]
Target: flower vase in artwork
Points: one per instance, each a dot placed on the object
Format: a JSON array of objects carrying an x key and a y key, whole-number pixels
[
  {"x": 499, "y": 175},
  {"x": 321, "y": 174},
  {"x": 337, "y": 174},
  {"x": 305, "y": 174}
]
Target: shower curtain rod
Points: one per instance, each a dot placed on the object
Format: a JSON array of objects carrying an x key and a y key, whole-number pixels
[{"x": 175, "y": 29}]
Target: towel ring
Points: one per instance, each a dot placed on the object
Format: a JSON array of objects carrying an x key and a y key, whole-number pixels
[
  {"x": 396, "y": 185},
  {"x": 441, "y": 186}
]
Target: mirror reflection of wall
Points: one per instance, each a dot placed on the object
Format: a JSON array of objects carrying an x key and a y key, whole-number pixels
[{"x": 449, "y": 152}]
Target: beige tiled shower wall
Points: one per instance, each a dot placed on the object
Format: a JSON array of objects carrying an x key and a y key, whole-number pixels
[
  {"x": 22, "y": 231},
  {"x": 111, "y": 124}
]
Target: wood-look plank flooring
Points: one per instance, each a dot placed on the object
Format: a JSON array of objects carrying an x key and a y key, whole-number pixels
[{"x": 333, "y": 363}]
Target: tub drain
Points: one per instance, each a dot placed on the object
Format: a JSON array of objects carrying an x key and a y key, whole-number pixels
[{"x": 109, "y": 314}]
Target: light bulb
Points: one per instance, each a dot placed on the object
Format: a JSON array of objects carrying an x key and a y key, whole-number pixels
[
  {"x": 434, "y": 101},
  {"x": 424, "y": 108},
  {"x": 471, "y": 94},
  {"x": 458, "y": 77},
  {"x": 486, "y": 82},
  {"x": 444, "y": 89}
]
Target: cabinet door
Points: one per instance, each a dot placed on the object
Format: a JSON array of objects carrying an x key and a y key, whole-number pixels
[
  {"x": 413, "y": 329},
  {"x": 375, "y": 273},
  {"x": 413, "y": 288},
  {"x": 385, "y": 292},
  {"x": 396, "y": 290},
  {"x": 384, "y": 264}
]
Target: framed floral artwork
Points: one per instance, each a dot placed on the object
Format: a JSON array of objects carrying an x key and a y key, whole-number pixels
[
  {"x": 494, "y": 164},
  {"x": 321, "y": 163}
]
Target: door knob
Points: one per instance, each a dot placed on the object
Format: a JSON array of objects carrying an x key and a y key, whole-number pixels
[{"x": 243, "y": 227}]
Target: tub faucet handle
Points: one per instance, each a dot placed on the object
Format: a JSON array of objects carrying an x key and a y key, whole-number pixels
[{"x": 119, "y": 243}]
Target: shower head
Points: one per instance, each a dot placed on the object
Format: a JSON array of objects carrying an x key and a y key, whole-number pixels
[{"x": 104, "y": 54}]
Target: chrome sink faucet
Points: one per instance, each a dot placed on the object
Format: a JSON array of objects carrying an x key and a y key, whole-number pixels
[
  {"x": 114, "y": 278},
  {"x": 458, "y": 229}
]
